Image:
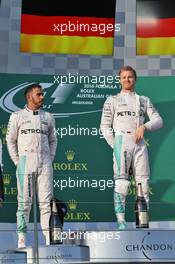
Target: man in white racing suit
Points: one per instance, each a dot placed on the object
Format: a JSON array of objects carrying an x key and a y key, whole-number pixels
[
  {"x": 32, "y": 142},
  {"x": 123, "y": 127}
]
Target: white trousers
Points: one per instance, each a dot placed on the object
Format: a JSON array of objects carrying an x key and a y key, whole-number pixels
[
  {"x": 129, "y": 154},
  {"x": 41, "y": 165}
]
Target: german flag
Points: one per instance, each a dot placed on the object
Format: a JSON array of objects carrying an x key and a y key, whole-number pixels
[
  {"x": 68, "y": 26},
  {"x": 155, "y": 27}
]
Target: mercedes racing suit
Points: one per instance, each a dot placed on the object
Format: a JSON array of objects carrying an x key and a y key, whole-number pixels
[
  {"x": 122, "y": 115},
  {"x": 32, "y": 142}
]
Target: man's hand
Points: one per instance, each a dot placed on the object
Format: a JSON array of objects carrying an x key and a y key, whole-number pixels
[
  {"x": 139, "y": 133},
  {"x": 1, "y": 203}
]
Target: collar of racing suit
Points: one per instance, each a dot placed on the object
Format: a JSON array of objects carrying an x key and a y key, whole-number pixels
[
  {"x": 128, "y": 93},
  {"x": 35, "y": 112}
]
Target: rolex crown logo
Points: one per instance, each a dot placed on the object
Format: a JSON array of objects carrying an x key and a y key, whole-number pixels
[
  {"x": 72, "y": 204},
  {"x": 3, "y": 129},
  {"x": 6, "y": 179},
  {"x": 70, "y": 155}
]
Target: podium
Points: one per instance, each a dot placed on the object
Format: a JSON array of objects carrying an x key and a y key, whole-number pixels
[
  {"x": 13, "y": 257},
  {"x": 130, "y": 246},
  {"x": 47, "y": 255}
]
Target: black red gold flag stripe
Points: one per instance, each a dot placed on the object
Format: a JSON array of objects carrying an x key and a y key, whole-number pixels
[
  {"x": 155, "y": 27},
  {"x": 70, "y": 27}
]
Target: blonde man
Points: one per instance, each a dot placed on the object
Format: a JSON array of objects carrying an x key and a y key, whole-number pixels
[{"x": 123, "y": 126}]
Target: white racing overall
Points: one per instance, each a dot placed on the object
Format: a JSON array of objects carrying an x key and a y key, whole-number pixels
[
  {"x": 122, "y": 115},
  {"x": 32, "y": 143}
]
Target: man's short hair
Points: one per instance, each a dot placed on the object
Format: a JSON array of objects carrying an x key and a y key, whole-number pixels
[
  {"x": 128, "y": 68},
  {"x": 30, "y": 88}
]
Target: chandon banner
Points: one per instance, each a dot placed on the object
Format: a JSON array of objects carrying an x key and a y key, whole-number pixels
[{"x": 83, "y": 172}]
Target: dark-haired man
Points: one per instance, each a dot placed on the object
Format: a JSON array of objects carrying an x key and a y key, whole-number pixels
[
  {"x": 32, "y": 142},
  {"x": 123, "y": 126}
]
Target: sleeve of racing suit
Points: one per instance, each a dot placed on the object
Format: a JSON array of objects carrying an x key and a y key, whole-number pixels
[
  {"x": 0, "y": 152},
  {"x": 155, "y": 121},
  {"x": 52, "y": 137},
  {"x": 1, "y": 179},
  {"x": 107, "y": 120},
  {"x": 1, "y": 186},
  {"x": 11, "y": 138}
]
